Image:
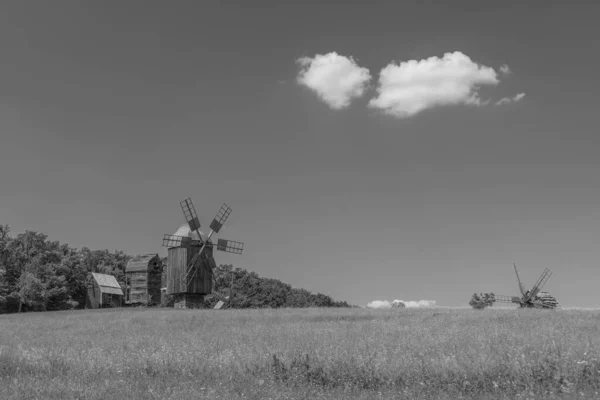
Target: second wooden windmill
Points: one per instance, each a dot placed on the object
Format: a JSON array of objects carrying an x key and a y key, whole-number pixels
[
  {"x": 533, "y": 298},
  {"x": 190, "y": 260}
]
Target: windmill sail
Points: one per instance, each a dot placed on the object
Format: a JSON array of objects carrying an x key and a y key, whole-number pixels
[
  {"x": 539, "y": 284},
  {"x": 190, "y": 214},
  {"x": 220, "y": 218},
  {"x": 230, "y": 246},
  {"x": 521, "y": 287},
  {"x": 507, "y": 299},
  {"x": 179, "y": 241}
]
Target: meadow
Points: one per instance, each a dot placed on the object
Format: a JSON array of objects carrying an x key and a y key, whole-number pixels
[{"x": 300, "y": 354}]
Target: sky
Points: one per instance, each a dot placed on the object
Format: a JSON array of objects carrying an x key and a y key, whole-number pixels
[{"x": 369, "y": 150}]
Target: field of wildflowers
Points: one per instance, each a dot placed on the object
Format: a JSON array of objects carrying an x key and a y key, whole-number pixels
[{"x": 300, "y": 354}]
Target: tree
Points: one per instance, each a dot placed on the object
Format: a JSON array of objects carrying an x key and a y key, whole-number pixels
[
  {"x": 482, "y": 300},
  {"x": 32, "y": 292},
  {"x": 4, "y": 288},
  {"x": 39, "y": 274},
  {"x": 75, "y": 274},
  {"x": 55, "y": 287}
]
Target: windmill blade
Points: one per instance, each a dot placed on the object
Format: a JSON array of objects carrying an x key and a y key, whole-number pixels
[
  {"x": 507, "y": 299},
  {"x": 190, "y": 214},
  {"x": 220, "y": 218},
  {"x": 230, "y": 246},
  {"x": 521, "y": 287},
  {"x": 179, "y": 241},
  {"x": 539, "y": 284}
]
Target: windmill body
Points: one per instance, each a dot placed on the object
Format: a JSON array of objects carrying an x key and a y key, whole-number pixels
[
  {"x": 189, "y": 292},
  {"x": 533, "y": 298},
  {"x": 190, "y": 260}
]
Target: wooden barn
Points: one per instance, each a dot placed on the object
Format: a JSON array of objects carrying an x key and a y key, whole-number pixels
[
  {"x": 189, "y": 294},
  {"x": 143, "y": 276},
  {"x": 103, "y": 292}
]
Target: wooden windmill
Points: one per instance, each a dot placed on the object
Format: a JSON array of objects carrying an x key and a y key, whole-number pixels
[
  {"x": 190, "y": 260},
  {"x": 533, "y": 298}
]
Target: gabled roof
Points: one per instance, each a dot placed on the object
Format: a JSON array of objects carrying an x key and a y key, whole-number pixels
[
  {"x": 141, "y": 263},
  {"x": 111, "y": 290},
  {"x": 107, "y": 283}
]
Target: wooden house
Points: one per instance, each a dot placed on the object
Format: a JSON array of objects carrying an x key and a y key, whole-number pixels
[
  {"x": 143, "y": 275},
  {"x": 103, "y": 291},
  {"x": 190, "y": 292}
]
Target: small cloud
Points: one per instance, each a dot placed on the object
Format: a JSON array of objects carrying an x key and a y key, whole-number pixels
[
  {"x": 379, "y": 304},
  {"x": 419, "y": 304},
  {"x": 282, "y": 82},
  {"x": 507, "y": 100},
  {"x": 384, "y": 304},
  {"x": 413, "y": 86},
  {"x": 505, "y": 69},
  {"x": 335, "y": 78}
]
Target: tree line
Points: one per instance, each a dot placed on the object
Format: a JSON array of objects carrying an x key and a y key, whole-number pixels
[
  {"x": 37, "y": 274},
  {"x": 252, "y": 291}
]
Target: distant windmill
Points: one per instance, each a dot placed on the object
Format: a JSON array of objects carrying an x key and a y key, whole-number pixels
[
  {"x": 190, "y": 261},
  {"x": 533, "y": 298}
]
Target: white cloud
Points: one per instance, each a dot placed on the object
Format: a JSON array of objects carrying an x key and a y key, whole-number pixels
[
  {"x": 514, "y": 99},
  {"x": 419, "y": 304},
  {"x": 379, "y": 304},
  {"x": 413, "y": 86},
  {"x": 335, "y": 78},
  {"x": 384, "y": 304},
  {"x": 505, "y": 69}
]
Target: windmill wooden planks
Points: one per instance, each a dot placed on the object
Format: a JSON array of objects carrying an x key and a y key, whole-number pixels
[{"x": 199, "y": 282}]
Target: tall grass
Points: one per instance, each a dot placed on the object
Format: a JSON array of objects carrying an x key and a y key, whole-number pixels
[{"x": 300, "y": 354}]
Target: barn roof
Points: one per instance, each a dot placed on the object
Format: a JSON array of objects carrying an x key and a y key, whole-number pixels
[
  {"x": 107, "y": 283},
  {"x": 111, "y": 290},
  {"x": 184, "y": 230},
  {"x": 140, "y": 263}
]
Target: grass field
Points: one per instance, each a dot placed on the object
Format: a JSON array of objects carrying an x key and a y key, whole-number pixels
[{"x": 300, "y": 354}]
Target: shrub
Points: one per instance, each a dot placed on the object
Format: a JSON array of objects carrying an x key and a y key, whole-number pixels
[{"x": 482, "y": 300}]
